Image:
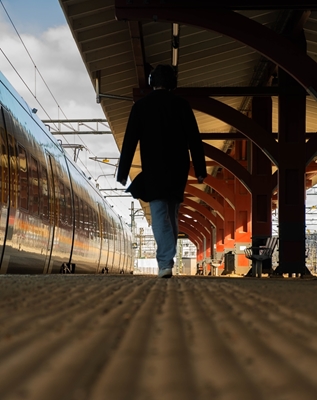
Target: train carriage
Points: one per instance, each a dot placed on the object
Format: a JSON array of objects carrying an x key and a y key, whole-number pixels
[{"x": 52, "y": 218}]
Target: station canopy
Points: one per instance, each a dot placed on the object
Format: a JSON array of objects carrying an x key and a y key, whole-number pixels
[{"x": 120, "y": 41}]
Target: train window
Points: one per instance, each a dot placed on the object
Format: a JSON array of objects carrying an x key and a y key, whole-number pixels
[
  {"x": 86, "y": 220},
  {"x": 62, "y": 203},
  {"x": 90, "y": 225},
  {"x": 69, "y": 217},
  {"x": 112, "y": 229},
  {"x": 81, "y": 215},
  {"x": 93, "y": 224},
  {"x": 14, "y": 173},
  {"x": 23, "y": 179},
  {"x": 77, "y": 217},
  {"x": 4, "y": 175},
  {"x": 34, "y": 186},
  {"x": 44, "y": 194},
  {"x": 105, "y": 228}
]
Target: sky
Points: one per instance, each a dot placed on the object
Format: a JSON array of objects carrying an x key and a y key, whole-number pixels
[{"x": 48, "y": 40}]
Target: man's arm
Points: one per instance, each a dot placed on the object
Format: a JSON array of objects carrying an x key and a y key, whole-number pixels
[
  {"x": 200, "y": 179},
  {"x": 129, "y": 145},
  {"x": 195, "y": 145}
]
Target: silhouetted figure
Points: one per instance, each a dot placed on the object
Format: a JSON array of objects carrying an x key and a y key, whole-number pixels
[{"x": 166, "y": 128}]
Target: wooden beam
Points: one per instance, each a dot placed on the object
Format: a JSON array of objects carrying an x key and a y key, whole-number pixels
[
  {"x": 135, "y": 29},
  {"x": 227, "y": 91},
  {"x": 224, "y": 4}
]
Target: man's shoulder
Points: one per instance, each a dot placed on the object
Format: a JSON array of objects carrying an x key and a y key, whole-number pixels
[
  {"x": 181, "y": 100},
  {"x": 142, "y": 101},
  {"x": 157, "y": 96}
]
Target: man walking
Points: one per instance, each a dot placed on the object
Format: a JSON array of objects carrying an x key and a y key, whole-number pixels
[{"x": 166, "y": 128}]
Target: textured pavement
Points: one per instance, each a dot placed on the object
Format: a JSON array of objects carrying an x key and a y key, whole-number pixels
[{"x": 140, "y": 338}]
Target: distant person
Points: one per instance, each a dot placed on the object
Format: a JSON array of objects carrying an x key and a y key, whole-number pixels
[
  {"x": 199, "y": 269},
  {"x": 166, "y": 128}
]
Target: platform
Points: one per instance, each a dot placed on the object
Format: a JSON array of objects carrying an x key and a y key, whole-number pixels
[{"x": 140, "y": 338}]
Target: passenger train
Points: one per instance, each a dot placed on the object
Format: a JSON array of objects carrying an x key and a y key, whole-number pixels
[{"x": 53, "y": 219}]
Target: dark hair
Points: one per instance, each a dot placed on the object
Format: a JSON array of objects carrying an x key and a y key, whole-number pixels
[{"x": 164, "y": 76}]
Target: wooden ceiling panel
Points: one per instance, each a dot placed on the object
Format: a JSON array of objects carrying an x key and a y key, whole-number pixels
[
  {"x": 93, "y": 20},
  {"x": 88, "y": 7},
  {"x": 108, "y": 28},
  {"x": 113, "y": 61},
  {"x": 205, "y": 59},
  {"x": 100, "y": 44},
  {"x": 112, "y": 51}
]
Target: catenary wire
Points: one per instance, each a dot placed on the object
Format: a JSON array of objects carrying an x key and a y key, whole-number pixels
[{"x": 45, "y": 83}]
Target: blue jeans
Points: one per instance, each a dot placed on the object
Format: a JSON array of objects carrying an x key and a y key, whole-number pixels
[{"x": 165, "y": 230}]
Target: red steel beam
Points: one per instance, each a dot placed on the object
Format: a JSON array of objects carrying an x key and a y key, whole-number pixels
[
  {"x": 196, "y": 215},
  {"x": 230, "y": 164},
  {"x": 253, "y": 131},
  {"x": 196, "y": 225},
  {"x": 207, "y": 198},
  {"x": 191, "y": 232},
  {"x": 219, "y": 186},
  {"x": 201, "y": 209}
]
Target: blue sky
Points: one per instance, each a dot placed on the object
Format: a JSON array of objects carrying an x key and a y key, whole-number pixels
[{"x": 35, "y": 16}]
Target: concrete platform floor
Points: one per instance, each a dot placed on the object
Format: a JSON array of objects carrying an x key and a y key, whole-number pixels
[{"x": 140, "y": 338}]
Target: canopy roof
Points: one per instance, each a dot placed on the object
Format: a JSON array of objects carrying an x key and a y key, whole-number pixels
[{"x": 119, "y": 41}]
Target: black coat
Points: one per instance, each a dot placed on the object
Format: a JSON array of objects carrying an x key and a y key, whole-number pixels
[{"x": 166, "y": 128}]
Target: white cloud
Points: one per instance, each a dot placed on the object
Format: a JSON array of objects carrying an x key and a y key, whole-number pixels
[{"x": 57, "y": 58}]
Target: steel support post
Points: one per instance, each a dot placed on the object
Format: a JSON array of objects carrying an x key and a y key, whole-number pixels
[
  {"x": 261, "y": 169},
  {"x": 291, "y": 179}
]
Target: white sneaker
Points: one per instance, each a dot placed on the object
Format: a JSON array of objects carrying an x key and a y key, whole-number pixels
[{"x": 165, "y": 273}]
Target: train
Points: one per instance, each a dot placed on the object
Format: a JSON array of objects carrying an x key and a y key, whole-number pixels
[{"x": 53, "y": 219}]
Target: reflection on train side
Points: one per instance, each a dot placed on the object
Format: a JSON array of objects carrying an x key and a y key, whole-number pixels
[{"x": 52, "y": 219}]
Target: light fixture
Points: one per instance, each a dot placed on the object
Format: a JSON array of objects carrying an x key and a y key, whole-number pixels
[{"x": 175, "y": 44}]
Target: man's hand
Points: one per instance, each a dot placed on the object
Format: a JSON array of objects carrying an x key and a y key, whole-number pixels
[{"x": 200, "y": 179}]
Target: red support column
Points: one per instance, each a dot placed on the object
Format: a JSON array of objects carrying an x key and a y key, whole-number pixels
[
  {"x": 219, "y": 237},
  {"x": 200, "y": 257},
  {"x": 209, "y": 247},
  {"x": 242, "y": 227},
  {"x": 229, "y": 214},
  {"x": 209, "y": 252},
  {"x": 261, "y": 169}
]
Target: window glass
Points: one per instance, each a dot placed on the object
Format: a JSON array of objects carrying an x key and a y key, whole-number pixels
[
  {"x": 68, "y": 200},
  {"x": 44, "y": 194},
  {"x": 86, "y": 220},
  {"x": 34, "y": 186},
  {"x": 23, "y": 179},
  {"x": 62, "y": 203},
  {"x": 76, "y": 205}
]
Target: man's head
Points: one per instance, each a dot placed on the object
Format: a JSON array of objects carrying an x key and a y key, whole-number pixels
[{"x": 163, "y": 76}]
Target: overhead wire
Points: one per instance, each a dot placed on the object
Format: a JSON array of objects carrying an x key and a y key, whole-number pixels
[
  {"x": 26, "y": 85},
  {"x": 45, "y": 83}
]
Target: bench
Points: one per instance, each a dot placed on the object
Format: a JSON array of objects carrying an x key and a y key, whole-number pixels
[{"x": 260, "y": 254}]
